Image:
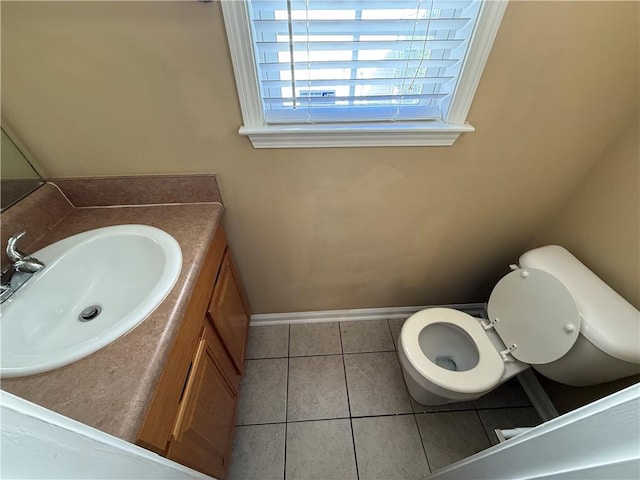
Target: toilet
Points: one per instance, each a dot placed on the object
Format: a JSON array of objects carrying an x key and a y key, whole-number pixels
[{"x": 550, "y": 312}]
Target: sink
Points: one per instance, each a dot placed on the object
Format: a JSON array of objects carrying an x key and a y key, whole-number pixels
[{"x": 96, "y": 287}]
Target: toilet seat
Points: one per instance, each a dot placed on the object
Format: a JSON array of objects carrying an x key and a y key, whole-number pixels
[
  {"x": 481, "y": 378},
  {"x": 534, "y": 312}
]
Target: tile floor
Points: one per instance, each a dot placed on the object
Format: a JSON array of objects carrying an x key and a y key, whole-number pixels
[{"x": 328, "y": 401}]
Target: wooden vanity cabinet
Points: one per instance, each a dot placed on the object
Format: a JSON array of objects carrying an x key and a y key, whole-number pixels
[{"x": 191, "y": 415}]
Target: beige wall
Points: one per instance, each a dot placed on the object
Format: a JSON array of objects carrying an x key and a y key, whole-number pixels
[
  {"x": 600, "y": 221},
  {"x": 115, "y": 88}
]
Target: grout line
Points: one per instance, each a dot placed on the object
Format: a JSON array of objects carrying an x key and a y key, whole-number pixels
[
  {"x": 468, "y": 409},
  {"x": 326, "y": 419},
  {"x": 318, "y": 420},
  {"x": 424, "y": 449},
  {"x": 374, "y": 353},
  {"x": 344, "y": 371},
  {"x": 318, "y": 355},
  {"x": 324, "y": 355},
  {"x": 343, "y": 353},
  {"x": 486, "y": 433},
  {"x": 258, "y": 424},
  {"x": 508, "y": 407},
  {"x": 267, "y": 358},
  {"x": 346, "y": 385},
  {"x": 358, "y": 417},
  {"x": 139, "y": 205},
  {"x": 404, "y": 382},
  {"x": 286, "y": 404},
  {"x": 369, "y": 351},
  {"x": 384, "y": 415},
  {"x": 286, "y": 399},
  {"x": 393, "y": 340},
  {"x": 415, "y": 415}
]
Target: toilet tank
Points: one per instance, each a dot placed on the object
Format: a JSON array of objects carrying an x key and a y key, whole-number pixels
[{"x": 609, "y": 322}]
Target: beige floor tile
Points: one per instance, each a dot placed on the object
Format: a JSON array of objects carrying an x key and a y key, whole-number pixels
[
  {"x": 315, "y": 339},
  {"x": 321, "y": 450},
  {"x": 258, "y": 452},
  {"x": 389, "y": 448},
  {"x": 375, "y": 384},
  {"x": 366, "y": 336},
  {"x": 263, "y": 392},
  {"x": 317, "y": 388},
  {"x": 269, "y": 341},
  {"x": 451, "y": 436}
]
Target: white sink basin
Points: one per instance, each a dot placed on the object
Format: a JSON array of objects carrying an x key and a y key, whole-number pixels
[{"x": 125, "y": 270}]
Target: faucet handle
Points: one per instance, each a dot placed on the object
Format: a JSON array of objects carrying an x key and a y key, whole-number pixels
[{"x": 13, "y": 253}]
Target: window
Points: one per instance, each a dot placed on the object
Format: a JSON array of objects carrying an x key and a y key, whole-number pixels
[{"x": 325, "y": 73}]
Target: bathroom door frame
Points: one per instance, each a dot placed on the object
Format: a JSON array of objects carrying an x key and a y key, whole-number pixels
[{"x": 598, "y": 441}]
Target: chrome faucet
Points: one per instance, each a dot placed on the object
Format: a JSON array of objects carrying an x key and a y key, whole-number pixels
[{"x": 20, "y": 270}]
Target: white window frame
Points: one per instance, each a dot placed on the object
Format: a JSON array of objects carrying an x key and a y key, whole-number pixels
[{"x": 426, "y": 133}]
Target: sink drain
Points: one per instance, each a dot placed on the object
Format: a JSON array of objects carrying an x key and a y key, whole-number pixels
[{"x": 89, "y": 313}]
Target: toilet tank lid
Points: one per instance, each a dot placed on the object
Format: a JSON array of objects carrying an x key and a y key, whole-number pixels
[{"x": 608, "y": 321}]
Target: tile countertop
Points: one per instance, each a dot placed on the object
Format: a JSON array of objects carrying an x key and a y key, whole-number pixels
[{"x": 111, "y": 389}]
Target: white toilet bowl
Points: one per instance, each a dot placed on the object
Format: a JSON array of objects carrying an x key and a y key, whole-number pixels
[
  {"x": 447, "y": 356},
  {"x": 551, "y": 313}
]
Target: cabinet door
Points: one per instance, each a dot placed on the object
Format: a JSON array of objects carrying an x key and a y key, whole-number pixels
[
  {"x": 202, "y": 433},
  {"x": 229, "y": 313}
]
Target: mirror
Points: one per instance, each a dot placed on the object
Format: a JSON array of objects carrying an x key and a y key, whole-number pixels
[{"x": 17, "y": 177}]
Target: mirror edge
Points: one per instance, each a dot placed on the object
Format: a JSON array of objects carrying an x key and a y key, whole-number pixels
[{"x": 6, "y": 126}]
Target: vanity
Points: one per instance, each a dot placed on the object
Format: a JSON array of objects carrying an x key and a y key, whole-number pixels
[
  {"x": 190, "y": 417},
  {"x": 171, "y": 384}
]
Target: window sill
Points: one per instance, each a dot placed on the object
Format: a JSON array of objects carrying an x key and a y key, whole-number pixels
[{"x": 373, "y": 135}]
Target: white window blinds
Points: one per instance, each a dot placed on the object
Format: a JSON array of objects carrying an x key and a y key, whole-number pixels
[{"x": 328, "y": 61}]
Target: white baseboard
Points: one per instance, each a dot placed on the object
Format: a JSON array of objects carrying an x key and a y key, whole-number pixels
[
  {"x": 354, "y": 314},
  {"x": 538, "y": 397}
]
